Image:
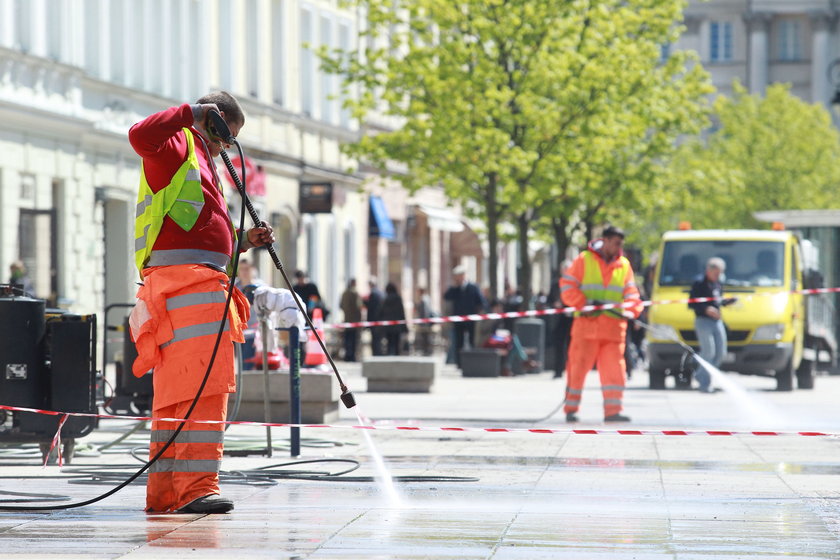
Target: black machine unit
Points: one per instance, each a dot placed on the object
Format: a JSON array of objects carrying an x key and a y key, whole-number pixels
[
  {"x": 47, "y": 361},
  {"x": 132, "y": 395}
]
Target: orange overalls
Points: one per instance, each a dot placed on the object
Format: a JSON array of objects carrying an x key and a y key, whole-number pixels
[
  {"x": 598, "y": 339},
  {"x": 175, "y": 324}
]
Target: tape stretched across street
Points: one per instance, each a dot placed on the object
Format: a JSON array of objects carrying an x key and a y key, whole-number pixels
[
  {"x": 574, "y": 431},
  {"x": 560, "y": 310}
]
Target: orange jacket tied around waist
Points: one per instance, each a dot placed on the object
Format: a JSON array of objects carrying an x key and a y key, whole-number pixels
[{"x": 174, "y": 326}]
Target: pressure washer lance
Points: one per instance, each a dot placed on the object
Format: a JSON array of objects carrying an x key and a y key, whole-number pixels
[
  {"x": 218, "y": 128},
  {"x": 662, "y": 332}
]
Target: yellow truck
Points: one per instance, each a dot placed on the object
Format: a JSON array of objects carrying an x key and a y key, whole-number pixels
[{"x": 773, "y": 329}]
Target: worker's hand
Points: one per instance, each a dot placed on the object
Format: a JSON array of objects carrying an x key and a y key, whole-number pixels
[
  {"x": 259, "y": 236},
  {"x": 200, "y": 117},
  {"x": 592, "y": 313},
  {"x": 713, "y": 313}
]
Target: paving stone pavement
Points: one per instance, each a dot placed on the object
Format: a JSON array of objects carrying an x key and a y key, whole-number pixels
[{"x": 538, "y": 496}]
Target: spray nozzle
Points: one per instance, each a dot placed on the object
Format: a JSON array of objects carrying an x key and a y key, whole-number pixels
[
  {"x": 347, "y": 398},
  {"x": 217, "y": 128}
]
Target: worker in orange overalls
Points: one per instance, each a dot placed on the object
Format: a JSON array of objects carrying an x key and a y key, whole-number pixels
[
  {"x": 600, "y": 274},
  {"x": 184, "y": 243}
]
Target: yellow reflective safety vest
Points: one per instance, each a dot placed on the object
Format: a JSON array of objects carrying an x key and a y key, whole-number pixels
[
  {"x": 593, "y": 286},
  {"x": 182, "y": 200}
]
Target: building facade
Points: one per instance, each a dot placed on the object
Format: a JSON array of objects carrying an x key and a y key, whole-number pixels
[
  {"x": 76, "y": 74},
  {"x": 760, "y": 42}
]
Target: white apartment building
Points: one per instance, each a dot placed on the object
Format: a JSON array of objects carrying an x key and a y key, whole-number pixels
[
  {"x": 76, "y": 74},
  {"x": 760, "y": 42}
]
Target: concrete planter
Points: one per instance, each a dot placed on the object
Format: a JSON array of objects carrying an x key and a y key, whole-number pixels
[
  {"x": 481, "y": 362},
  {"x": 400, "y": 374},
  {"x": 319, "y": 395}
]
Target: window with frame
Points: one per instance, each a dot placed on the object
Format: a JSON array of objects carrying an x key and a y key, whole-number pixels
[
  {"x": 720, "y": 41},
  {"x": 789, "y": 40}
]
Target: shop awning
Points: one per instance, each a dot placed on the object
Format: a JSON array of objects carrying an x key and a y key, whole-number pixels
[
  {"x": 442, "y": 219},
  {"x": 379, "y": 224}
]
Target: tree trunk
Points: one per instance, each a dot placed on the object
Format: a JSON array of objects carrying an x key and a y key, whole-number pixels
[
  {"x": 492, "y": 235},
  {"x": 524, "y": 269},
  {"x": 561, "y": 242}
]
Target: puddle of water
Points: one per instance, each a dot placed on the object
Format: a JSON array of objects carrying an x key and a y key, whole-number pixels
[{"x": 383, "y": 475}]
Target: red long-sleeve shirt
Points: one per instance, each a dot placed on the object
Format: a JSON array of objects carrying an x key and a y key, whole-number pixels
[{"x": 159, "y": 140}]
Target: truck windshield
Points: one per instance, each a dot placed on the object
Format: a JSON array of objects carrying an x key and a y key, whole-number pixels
[{"x": 748, "y": 263}]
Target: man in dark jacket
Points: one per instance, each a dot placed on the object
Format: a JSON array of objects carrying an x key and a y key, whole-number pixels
[
  {"x": 466, "y": 299},
  {"x": 373, "y": 303},
  {"x": 708, "y": 324}
]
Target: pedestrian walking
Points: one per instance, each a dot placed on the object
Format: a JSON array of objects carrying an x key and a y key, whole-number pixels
[
  {"x": 373, "y": 304},
  {"x": 600, "y": 274},
  {"x": 18, "y": 276},
  {"x": 351, "y": 306},
  {"x": 309, "y": 294},
  {"x": 708, "y": 321},
  {"x": 423, "y": 331},
  {"x": 466, "y": 299},
  {"x": 393, "y": 310},
  {"x": 184, "y": 243}
]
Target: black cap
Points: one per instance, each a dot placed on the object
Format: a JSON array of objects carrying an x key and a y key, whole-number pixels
[{"x": 612, "y": 231}]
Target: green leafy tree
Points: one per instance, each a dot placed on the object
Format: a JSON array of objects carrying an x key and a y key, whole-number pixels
[
  {"x": 771, "y": 152},
  {"x": 526, "y": 112}
]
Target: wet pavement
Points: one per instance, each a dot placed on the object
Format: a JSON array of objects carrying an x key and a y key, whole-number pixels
[{"x": 538, "y": 496}]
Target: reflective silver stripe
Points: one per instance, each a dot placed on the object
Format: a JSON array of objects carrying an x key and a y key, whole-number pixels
[
  {"x": 140, "y": 242},
  {"x": 630, "y": 285},
  {"x": 189, "y": 436},
  {"x": 612, "y": 401},
  {"x": 567, "y": 287},
  {"x": 197, "y": 205},
  {"x": 200, "y": 298},
  {"x": 572, "y": 401},
  {"x": 141, "y": 206},
  {"x": 170, "y": 257},
  {"x": 194, "y": 331},
  {"x": 574, "y": 391},
  {"x": 570, "y": 279},
  {"x": 185, "y": 466},
  {"x": 193, "y": 175},
  {"x": 612, "y": 387},
  {"x": 617, "y": 289}
]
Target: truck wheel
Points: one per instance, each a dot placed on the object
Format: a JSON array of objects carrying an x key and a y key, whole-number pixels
[
  {"x": 805, "y": 374},
  {"x": 656, "y": 378},
  {"x": 784, "y": 377}
]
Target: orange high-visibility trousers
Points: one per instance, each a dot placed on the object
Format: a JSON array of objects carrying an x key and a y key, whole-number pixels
[
  {"x": 189, "y": 469},
  {"x": 608, "y": 357}
]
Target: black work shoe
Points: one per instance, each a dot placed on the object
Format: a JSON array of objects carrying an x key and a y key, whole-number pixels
[
  {"x": 616, "y": 418},
  {"x": 571, "y": 417},
  {"x": 211, "y": 503}
]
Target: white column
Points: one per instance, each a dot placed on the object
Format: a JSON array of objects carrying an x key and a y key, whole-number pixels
[
  {"x": 169, "y": 46},
  {"x": 148, "y": 54},
  {"x": 181, "y": 73},
  {"x": 821, "y": 23},
  {"x": 105, "y": 37},
  {"x": 758, "y": 24},
  {"x": 38, "y": 27},
  {"x": 226, "y": 40},
  {"x": 7, "y": 23}
]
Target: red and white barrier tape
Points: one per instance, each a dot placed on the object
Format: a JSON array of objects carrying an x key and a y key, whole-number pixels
[
  {"x": 557, "y": 310},
  {"x": 386, "y": 427}
]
